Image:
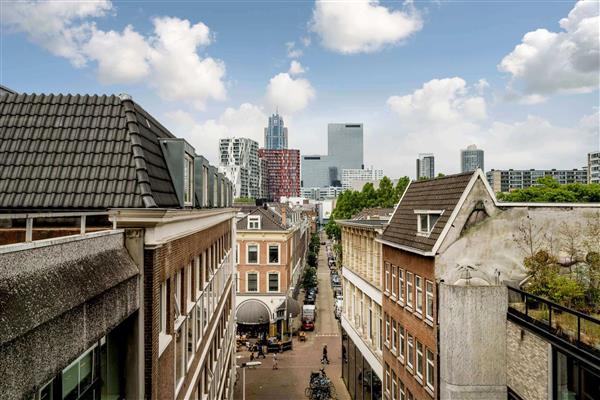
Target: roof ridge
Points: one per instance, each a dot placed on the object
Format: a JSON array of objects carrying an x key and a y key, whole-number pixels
[
  {"x": 267, "y": 213},
  {"x": 141, "y": 169}
]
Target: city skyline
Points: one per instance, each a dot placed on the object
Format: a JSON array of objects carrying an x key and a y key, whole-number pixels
[{"x": 490, "y": 97}]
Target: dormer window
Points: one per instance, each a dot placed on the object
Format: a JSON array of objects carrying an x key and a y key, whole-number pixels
[
  {"x": 426, "y": 220},
  {"x": 188, "y": 180},
  {"x": 254, "y": 222}
]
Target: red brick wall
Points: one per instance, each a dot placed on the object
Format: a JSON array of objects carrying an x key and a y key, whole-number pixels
[
  {"x": 263, "y": 267},
  {"x": 413, "y": 324}
]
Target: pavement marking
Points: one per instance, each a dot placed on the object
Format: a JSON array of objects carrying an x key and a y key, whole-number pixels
[{"x": 327, "y": 334}]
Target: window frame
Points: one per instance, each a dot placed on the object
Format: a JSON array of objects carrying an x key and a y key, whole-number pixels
[
  {"x": 394, "y": 281},
  {"x": 430, "y": 362},
  {"x": 401, "y": 289},
  {"x": 248, "y": 253},
  {"x": 254, "y": 222},
  {"x": 269, "y": 281},
  {"x": 257, "y": 282},
  {"x": 401, "y": 343},
  {"x": 387, "y": 330},
  {"x": 409, "y": 289},
  {"x": 387, "y": 278},
  {"x": 410, "y": 348},
  {"x": 428, "y": 298},
  {"x": 278, "y": 245},
  {"x": 419, "y": 359},
  {"x": 394, "y": 337},
  {"x": 188, "y": 178},
  {"x": 419, "y": 294},
  {"x": 428, "y": 214}
]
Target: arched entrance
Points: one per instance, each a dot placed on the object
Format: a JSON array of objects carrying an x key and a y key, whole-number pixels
[{"x": 253, "y": 318}]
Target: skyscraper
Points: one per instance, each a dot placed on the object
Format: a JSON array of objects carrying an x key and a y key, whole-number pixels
[
  {"x": 276, "y": 134},
  {"x": 345, "y": 151},
  {"x": 283, "y": 172},
  {"x": 425, "y": 166},
  {"x": 240, "y": 164},
  {"x": 471, "y": 158}
]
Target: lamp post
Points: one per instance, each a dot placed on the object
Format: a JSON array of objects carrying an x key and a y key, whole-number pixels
[{"x": 243, "y": 367}]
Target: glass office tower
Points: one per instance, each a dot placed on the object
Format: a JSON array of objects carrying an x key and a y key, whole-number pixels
[
  {"x": 471, "y": 158},
  {"x": 276, "y": 134}
]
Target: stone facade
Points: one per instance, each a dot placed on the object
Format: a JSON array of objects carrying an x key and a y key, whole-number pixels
[{"x": 527, "y": 363}]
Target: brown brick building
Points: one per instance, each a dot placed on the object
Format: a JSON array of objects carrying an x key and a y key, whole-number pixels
[{"x": 158, "y": 322}]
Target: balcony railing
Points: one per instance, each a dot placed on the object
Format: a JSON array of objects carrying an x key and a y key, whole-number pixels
[{"x": 578, "y": 329}]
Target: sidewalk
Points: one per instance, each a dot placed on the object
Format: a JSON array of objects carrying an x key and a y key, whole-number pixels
[{"x": 291, "y": 379}]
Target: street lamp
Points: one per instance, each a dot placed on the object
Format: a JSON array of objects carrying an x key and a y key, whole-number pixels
[{"x": 243, "y": 367}]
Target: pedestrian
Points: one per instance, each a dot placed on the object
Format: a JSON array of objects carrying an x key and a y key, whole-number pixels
[
  {"x": 252, "y": 356},
  {"x": 325, "y": 359},
  {"x": 260, "y": 352},
  {"x": 275, "y": 366}
]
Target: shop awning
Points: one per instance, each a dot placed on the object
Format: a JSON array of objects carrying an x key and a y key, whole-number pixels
[
  {"x": 290, "y": 306},
  {"x": 252, "y": 312}
]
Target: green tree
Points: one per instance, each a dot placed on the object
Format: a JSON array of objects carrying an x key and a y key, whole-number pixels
[
  {"x": 386, "y": 195},
  {"x": 548, "y": 190}
]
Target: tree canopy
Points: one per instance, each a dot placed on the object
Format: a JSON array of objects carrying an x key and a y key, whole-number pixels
[
  {"x": 351, "y": 202},
  {"x": 549, "y": 190}
]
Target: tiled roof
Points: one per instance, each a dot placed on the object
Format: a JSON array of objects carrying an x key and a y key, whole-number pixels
[
  {"x": 434, "y": 194},
  {"x": 374, "y": 213},
  {"x": 74, "y": 151},
  {"x": 269, "y": 221}
]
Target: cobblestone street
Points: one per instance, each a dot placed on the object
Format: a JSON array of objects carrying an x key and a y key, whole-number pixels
[{"x": 291, "y": 379}]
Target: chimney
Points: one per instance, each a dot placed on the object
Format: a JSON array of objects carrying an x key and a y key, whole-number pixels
[{"x": 284, "y": 215}]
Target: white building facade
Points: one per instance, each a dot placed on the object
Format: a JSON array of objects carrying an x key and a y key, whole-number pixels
[
  {"x": 349, "y": 176},
  {"x": 239, "y": 162},
  {"x": 594, "y": 167}
]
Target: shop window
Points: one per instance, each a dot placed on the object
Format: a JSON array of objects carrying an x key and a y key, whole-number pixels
[{"x": 80, "y": 375}]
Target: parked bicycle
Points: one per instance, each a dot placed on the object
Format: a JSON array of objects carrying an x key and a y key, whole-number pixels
[{"x": 320, "y": 387}]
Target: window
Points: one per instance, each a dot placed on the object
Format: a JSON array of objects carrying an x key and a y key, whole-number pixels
[
  {"x": 430, "y": 369},
  {"x": 197, "y": 277},
  {"x": 419, "y": 293},
  {"x": 387, "y": 277},
  {"x": 178, "y": 294},
  {"x": 409, "y": 289},
  {"x": 394, "y": 282},
  {"x": 204, "y": 186},
  {"x": 394, "y": 336},
  {"x": 252, "y": 282},
  {"x": 191, "y": 336},
  {"x": 387, "y": 330},
  {"x": 180, "y": 337},
  {"x": 188, "y": 178},
  {"x": 429, "y": 301},
  {"x": 273, "y": 254},
  {"x": 80, "y": 374},
  {"x": 401, "y": 284},
  {"x": 410, "y": 349},
  {"x": 426, "y": 221},
  {"x": 188, "y": 286},
  {"x": 254, "y": 222},
  {"x": 394, "y": 386},
  {"x": 401, "y": 344},
  {"x": 402, "y": 392},
  {"x": 252, "y": 256},
  {"x": 273, "y": 281},
  {"x": 198, "y": 323},
  {"x": 419, "y": 360},
  {"x": 163, "y": 308},
  {"x": 237, "y": 253},
  {"x": 388, "y": 378}
]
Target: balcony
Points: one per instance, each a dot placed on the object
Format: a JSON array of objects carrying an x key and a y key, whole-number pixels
[{"x": 561, "y": 325}]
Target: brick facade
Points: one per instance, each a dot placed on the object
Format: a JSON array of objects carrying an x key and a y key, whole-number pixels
[
  {"x": 527, "y": 362},
  {"x": 418, "y": 326},
  {"x": 263, "y": 267}
]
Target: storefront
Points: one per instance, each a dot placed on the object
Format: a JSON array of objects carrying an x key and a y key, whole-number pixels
[
  {"x": 360, "y": 379},
  {"x": 573, "y": 378}
]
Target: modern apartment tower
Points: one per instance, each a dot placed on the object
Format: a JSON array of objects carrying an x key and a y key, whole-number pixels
[
  {"x": 425, "y": 166},
  {"x": 511, "y": 179},
  {"x": 276, "y": 134},
  {"x": 283, "y": 173},
  {"x": 471, "y": 158},
  {"x": 593, "y": 166},
  {"x": 344, "y": 151},
  {"x": 239, "y": 161}
]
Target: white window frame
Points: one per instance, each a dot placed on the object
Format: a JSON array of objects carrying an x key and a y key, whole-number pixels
[
  {"x": 426, "y": 230},
  {"x": 430, "y": 377},
  {"x": 257, "y": 282},
  {"x": 163, "y": 337},
  {"x": 402, "y": 392},
  {"x": 188, "y": 178},
  {"x": 269, "y": 281},
  {"x": 429, "y": 300},
  {"x": 419, "y": 360},
  {"x": 387, "y": 267},
  {"x": 254, "y": 222},
  {"x": 388, "y": 378},
  {"x": 191, "y": 320},
  {"x": 394, "y": 281},
  {"x": 401, "y": 343},
  {"x": 394, "y": 385},
  {"x": 237, "y": 253},
  {"x": 410, "y": 351},
  {"x": 418, "y": 294},
  {"x": 178, "y": 295},
  {"x": 387, "y": 330},
  {"x": 409, "y": 289},
  {"x": 188, "y": 287},
  {"x": 394, "y": 337},
  {"x": 197, "y": 280},
  {"x": 248, "y": 253},
  {"x": 401, "y": 289},
  {"x": 269, "y": 253}
]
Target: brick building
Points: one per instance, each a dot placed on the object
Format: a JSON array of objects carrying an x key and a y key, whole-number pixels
[
  {"x": 272, "y": 241},
  {"x": 283, "y": 172},
  {"x": 451, "y": 255},
  {"x": 168, "y": 270}
]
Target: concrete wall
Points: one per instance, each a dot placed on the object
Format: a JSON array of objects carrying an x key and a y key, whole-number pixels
[
  {"x": 527, "y": 363},
  {"x": 472, "y": 334}
]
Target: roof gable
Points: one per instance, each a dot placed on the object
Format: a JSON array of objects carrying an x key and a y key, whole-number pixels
[
  {"x": 269, "y": 221},
  {"x": 442, "y": 194}
]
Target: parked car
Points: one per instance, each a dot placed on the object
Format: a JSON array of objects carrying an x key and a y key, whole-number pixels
[{"x": 309, "y": 316}]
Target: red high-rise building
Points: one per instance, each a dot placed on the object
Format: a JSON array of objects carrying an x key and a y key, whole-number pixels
[{"x": 283, "y": 172}]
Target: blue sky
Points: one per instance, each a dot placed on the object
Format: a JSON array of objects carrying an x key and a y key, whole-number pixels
[{"x": 422, "y": 77}]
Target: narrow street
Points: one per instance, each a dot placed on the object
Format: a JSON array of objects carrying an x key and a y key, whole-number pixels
[{"x": 295, "y": 366}]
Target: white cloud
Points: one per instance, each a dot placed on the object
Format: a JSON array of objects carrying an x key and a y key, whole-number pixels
[
  {"x": 169, "y": 58},
  {"x": 179, "y": 72},
  {"x": 246, "y": 121},
  {"x": 296, "y": 68},
  {"x": 568, "y": 61},
  {"x": 443, "y": 116},
  {"x": 58, "y": 26},
  {"x": 121, "y": 57},
  {"x": 482, "y": 85},
  {"x": 305, "y": 41},
  {"x": 292, "y": 51},
  {"x": 362, "y": 26},
  {"x": 288, "y": 94},
  {"x": 438, "y": 103}
]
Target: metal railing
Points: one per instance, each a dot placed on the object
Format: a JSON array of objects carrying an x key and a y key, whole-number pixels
[{"x": 577, "y": 328}]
